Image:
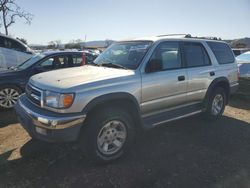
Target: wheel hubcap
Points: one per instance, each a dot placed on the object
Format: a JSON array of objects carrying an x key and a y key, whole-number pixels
[
  {"x": 8, "y": 97},
  {"x": 111, "y": 137},
  {"x": 217, "y": 104}
]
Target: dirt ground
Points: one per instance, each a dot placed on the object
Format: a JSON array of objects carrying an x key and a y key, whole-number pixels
[{"x": 186, "y": 153}]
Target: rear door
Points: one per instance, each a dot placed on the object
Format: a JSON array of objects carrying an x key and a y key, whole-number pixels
[
  {"x": 165, "y": 86},
  {"x": 199, "y": 69}
]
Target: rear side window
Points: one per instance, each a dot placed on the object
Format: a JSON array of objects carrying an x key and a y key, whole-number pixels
[
  {"x": 11, "y": 44},
  {"x": 77, "y": 60},
  {"x": 195, "y": 55},
  {"x": 222, "y": 52},
  {"x": 17, "y": 46}
]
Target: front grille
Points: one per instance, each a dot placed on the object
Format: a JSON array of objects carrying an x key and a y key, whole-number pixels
[{"x": 34, "y": 94}]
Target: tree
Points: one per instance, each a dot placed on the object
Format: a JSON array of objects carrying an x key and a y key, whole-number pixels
[
  {"x": 56, "y": 44},
  {"x": 240, "y": 45},
  {"x": 72, "y": 46},
  {"x": 10, "y": 11}
]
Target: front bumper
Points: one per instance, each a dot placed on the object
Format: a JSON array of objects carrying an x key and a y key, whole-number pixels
[{"x": 46, "y": 125}]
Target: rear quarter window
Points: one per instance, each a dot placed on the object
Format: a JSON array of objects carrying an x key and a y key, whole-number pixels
[{"x": 222, "y": 52}]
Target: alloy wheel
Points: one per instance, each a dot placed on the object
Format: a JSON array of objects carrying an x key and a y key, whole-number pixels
[
  {"x": 111, "y": 137},
  {"x": 8, "y": 97}
]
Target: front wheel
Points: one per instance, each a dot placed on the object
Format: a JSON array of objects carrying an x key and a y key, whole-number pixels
[
  {"x": 108, "y": 134},
  {"x": 9, "y": 96},
  {"x": 216, "y": 104}
]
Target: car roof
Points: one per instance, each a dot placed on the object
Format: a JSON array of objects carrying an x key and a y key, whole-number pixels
[
  {"x": 12, "y": 38},
  {"x": 47, "y": 53},
  {"x": 183, "y": 37}
]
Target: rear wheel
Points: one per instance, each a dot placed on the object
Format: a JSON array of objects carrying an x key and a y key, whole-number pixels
[
  {"x": 9, "y": 96},
  {"x": 108, "y": 134},
  {"x": 216, "y": 104}
]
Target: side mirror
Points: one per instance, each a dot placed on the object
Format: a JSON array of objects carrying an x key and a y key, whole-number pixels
[{"x": 154, "y": 65}]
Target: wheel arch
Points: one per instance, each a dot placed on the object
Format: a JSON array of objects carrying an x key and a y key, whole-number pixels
[
  {"x": 120, "y": 99},
  {"x": 12, "y": 84},
  {"x": 222, "y": 82}
]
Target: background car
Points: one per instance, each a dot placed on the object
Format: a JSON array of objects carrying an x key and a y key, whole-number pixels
[
  {"x": 13, "y": 52},
  {"x": 243, "y": 61},
  {"x": 13, "y": 80}
]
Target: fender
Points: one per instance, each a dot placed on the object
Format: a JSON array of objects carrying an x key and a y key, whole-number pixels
[
  {"x": 111, "y": 97},
  {"x": 216, "y": 82}
]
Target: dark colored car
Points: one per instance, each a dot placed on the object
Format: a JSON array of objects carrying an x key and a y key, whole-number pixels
[
  {"x": 14, "y": 79},
  {"x": 243, "y": 61}
]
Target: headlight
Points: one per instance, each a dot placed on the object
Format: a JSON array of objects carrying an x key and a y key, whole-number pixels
[{"x": 58, "y": 100}]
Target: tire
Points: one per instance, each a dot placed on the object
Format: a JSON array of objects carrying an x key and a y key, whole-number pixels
[
  {"x": 108, "y": 134},
  {"x": 216, "y": 104},
  {"x": 8, "y": 96}
]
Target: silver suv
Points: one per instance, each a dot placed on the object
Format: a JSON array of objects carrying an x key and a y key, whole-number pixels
[{"x": 132, "y": 85}]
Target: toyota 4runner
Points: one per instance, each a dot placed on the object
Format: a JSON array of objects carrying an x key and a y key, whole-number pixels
[{"x": 132, "y": 85}]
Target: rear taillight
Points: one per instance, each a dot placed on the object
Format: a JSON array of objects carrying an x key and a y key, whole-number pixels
[{"x": 83, "y": 59}]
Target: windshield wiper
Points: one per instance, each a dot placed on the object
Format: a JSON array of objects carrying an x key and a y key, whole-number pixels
[{"x": 113, "y": 65}]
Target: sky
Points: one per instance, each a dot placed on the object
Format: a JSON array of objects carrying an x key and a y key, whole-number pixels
[{"x": 67, "y": 20}]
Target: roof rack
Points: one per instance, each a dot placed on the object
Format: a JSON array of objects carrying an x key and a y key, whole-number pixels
[
  {"x": 185, "y": 35},
  {"x": 209, "y": 38},
  {"x": 190, "y": 36}
]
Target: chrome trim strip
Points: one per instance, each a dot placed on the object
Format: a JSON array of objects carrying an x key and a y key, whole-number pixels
[
  {"x": 234, "y": 84},
  {"x": 52, "y": 122},
  {"x": 180, "y": 117},
  {"x": 169, "y": 109}
]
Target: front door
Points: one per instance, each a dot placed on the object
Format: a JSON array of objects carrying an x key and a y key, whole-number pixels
[{"x": 164, "y": 82}]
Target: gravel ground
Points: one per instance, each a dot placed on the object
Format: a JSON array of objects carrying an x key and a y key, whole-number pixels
[{"x": 187, "y": 153}]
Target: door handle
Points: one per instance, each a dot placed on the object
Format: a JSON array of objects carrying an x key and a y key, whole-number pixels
[
  {"x": 181, "y": 78},
  {"x": 212, "y": 73}
]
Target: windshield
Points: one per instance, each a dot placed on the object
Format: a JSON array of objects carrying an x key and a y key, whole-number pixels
[
  {"x": 30, "y": 61},
  {"x": 127, "y": 55},
  {"x": 243, "y": 57}
]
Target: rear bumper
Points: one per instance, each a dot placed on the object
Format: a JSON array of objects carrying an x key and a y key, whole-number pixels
[{"x": 46, "y": 125}]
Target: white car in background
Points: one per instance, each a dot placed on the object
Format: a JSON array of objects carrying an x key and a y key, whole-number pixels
[
  {"x": 243, "y": 61},
  {"x": 13, "y": 52}
]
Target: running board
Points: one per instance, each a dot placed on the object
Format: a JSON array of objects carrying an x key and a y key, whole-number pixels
[{"x": 167, "y": 116}]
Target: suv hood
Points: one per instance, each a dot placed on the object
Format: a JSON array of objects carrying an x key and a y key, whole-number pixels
[{"x": 72, "y": 77}]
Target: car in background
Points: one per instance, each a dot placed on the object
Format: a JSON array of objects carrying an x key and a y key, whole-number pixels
[
  {"x": 14, "y": 79},
  {"x": 13, "y": 52},
  {"x": 243, "y": 61},
  {"x": 238, "y": 51}
]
